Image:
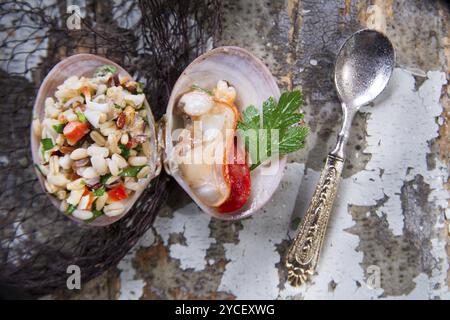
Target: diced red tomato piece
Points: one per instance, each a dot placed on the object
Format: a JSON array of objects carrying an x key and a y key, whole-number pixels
[
  {"x": 240, "y": 184},
  {"x": 75, "y": 130},
  {"x": 117, "y": 193}
]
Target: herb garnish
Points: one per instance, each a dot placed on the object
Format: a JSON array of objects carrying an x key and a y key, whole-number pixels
[
  {"x": 99, "y": 192},
  {"x": 81, "y": 116},
  {"x": 104, "y": 178},
  {"x": 139, "y": 87},
  {"x": 130, "y": 171},
  {"x": 138, "y": 148},
  {"x": 70, "y": 209},
  {"x": 47, "y": 144},
  {"x": 283, "y": 117},
  {"x": 103, "y": 70},
  {"x": 125, "y": 152},
  {"x": 59, "y": 128},
  {"x": 95, "y": 214},
  {"x": 196, "y": 87}
]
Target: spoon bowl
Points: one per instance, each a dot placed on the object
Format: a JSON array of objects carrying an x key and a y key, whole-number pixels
[{"x": 363, "y": 67}]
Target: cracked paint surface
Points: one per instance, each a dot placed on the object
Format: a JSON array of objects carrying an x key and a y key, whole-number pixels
[
  {"x": 392, "y": 220},
  {"x": 193, "y": 228},
  {"x": 390, "y": 208}
]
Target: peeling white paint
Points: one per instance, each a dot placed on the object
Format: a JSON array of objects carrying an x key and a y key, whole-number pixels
[
  {"x": 376, "y": 18},
  {"x": 251, "y": 272},
  {"x": 399, "y": 128},
  {"x": 193, "y": 225},
  {"x": 130, "y": 287},
  {"x": 147, "y": 239},
  {"x": 420, "y": 292}
]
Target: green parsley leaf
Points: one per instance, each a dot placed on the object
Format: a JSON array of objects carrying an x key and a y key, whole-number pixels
[
  {"x": 59, "y": 128},
  {"x": 196, "y": 87},
  {"x": 81, "y": 116},
  {"x": 124, "y": 151},
  {"x": 103, "y": 70},
  {"x": 130, "y": 171},
  {"x": 95, "y": 215},
  {"x": 70, "y": 209},
  {"x": 278, "y": 132},
  {"x": 105, "y": 178},
  {"x": 138, "y": 148},
  {"x": 99, "y": 192},
  {"x": 139, "y": 87},
  {"x": 47, "y": 144},
  {"x": 293, "y": 139}
]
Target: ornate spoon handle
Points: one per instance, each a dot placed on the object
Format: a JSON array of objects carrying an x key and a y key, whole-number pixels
[{"x": 304, "y": 252}]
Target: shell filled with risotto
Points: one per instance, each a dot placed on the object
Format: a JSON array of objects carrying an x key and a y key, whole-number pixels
[{"x": 93, "y": 139}]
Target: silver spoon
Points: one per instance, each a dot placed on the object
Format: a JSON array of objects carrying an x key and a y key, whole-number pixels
[{"x": 362, "y": 70}]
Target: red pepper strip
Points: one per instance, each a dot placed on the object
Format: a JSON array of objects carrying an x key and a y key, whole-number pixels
[
  {"x": 240, "y": 184},
  {"x": 91, "y": 199},
  {"x": 75, "y": 130}
]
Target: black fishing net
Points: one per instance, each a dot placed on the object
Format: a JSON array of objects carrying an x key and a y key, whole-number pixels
[{"x": 154, "y": 40}]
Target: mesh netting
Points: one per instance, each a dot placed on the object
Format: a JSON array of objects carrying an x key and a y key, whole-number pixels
[{"x": 153, "y": 40}]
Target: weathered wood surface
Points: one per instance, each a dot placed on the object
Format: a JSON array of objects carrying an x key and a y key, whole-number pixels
[{"x": 390, "y": 212}]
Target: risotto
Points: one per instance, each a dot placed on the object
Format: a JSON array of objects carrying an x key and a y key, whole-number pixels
[{"x": 94, "y": 143}]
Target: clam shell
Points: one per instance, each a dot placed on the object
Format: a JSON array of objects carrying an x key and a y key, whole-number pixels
[
  {"x": 84, "y": 65},
  {"x": 254, "y": 84}
]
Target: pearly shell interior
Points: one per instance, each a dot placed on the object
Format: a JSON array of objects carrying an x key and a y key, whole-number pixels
[
  {"x": 254, "y": 84},
  {"x": 85, "y": 65}
]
